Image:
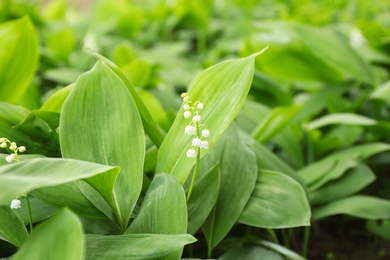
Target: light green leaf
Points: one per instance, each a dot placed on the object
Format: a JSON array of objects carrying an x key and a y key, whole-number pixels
[
  {"x": 222, "y": 89},
  {"x": 134, "y": 246},
  {"x": 19, "y": 56},
  {"x": 98, "y": 115},
  {"x": 351, "y": 182},
  {"x": 12, "y": 228},
  {"x": 357, "y": 206},
  {"x": 275, "y": 122},
  {"x": 163, "y": 205},
  {"x": 317, "y": 173},
  {"x": 277, "y": 201},
  {"x": 55, "y": 101},
  {"x": 203, "y": 198},
  {"x": 341, "y": 118},
  {"x": 60, "y": 237},
  {"x": 238, "y": 178},
  {"x": 382, "y": 92},
  {"x": 307, "y": 54},
  {"x": 69, "y": 195},
  {"x": 25, "y": 176},
  {"x": 150, "y": 126},
  {"x": 266, "y": 160}
]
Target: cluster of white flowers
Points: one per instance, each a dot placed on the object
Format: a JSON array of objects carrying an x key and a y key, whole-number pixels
[
  {"x": 192, "y": 109},
  {"x": 12, "y": 146}
]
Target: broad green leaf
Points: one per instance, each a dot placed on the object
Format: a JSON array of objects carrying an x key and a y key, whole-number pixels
[
  {"x": 60, "y": 237},
  {"x": 150, "y": 126},
  {"x": 55, "y": 101},
  {"x": 68, "y": 195},
  {"x": 22, "y": 177},
  {"x": 19, "y": 56},
  {"x": 163, "y": 205},
  {"x": 203, "y": 198},
  {"x": 12, "y": 228},
  {"x": 222, "y": 89},
  {"x": 351, "y": 182},
  {"x": 251, "y": 252},
  {"x": 318, "y": 171},
  {"x": 134, "y": 246},
  {"x": 382, "y": 92},
  {"x": 238, "y": 178},
  {"x": 307, "y": 54},
  {"x": 277, "y": 201},
  {"x": 266, "y": 160},
  {"x": 357, "y": 206},
  {"x": 275, "y": 122},
  {"x": 341, "y": 118},
  {"x": 97, "y": 118}
]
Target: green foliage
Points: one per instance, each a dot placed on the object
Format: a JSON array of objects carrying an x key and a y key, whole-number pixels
[{"x": 298, "y": 131}]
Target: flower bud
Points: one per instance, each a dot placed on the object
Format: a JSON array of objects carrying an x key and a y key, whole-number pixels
[
  {"x": 205, "y": 133},
  {"x": 187, "y": 114},
  {"x": 3, "y": 145},
  {"x": 196, "y": 142},
  {"x": 200, "y": 106},
  {"x": 15, "y": 204},
  {"x": 196, "y": 118},
  {"x": 22, "y": 149},
  {"x": 191, "y": 153}
]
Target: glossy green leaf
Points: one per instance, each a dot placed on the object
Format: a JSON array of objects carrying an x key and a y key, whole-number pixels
[
  {"x": 150, "y": 126},
  {"x": 98, "y": 115},
  {"x": 60, "y": 237},
  {"x": 134, "y": 246},
  {"x": 25, "y": 176},
  {"x": 357, "y": 206},
  {"x": 203, "y": 198},
  {"x": 351, "y": 182},
  {"x": 69, "y": 195},
  {"x": 222, "y": 89},
  {"x": 318, "y": 173},
  {"x": 287, "y": 253},
  {"x": 164, "y": 204},
  {"x": 19, "y": 56},
  {"x": 277, "y": 201},
  {"x": 275, "y": 122},
  {"x": 238, "y": 178},
  {"x": 55, "y": 101},
  {"x": 12, "y": 228},
  {"x": 266, "y": 160},
  {"x": 341, "y": 119}
]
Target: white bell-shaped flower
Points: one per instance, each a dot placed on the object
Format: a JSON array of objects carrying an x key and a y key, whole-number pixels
[
  {"x": 205, "y": 133},
  {"x": 196, "y": 142},
  {"x": 191, "y": 153},
  {"x": 15, "y": 204}
]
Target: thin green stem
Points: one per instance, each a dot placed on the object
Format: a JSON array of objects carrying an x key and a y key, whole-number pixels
[
  {"x": 194, "y": 174},
  {"x": 273, "y": 235},
  {"x": 306, "y": 241},
  {"x": 29, "y": 212}
]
